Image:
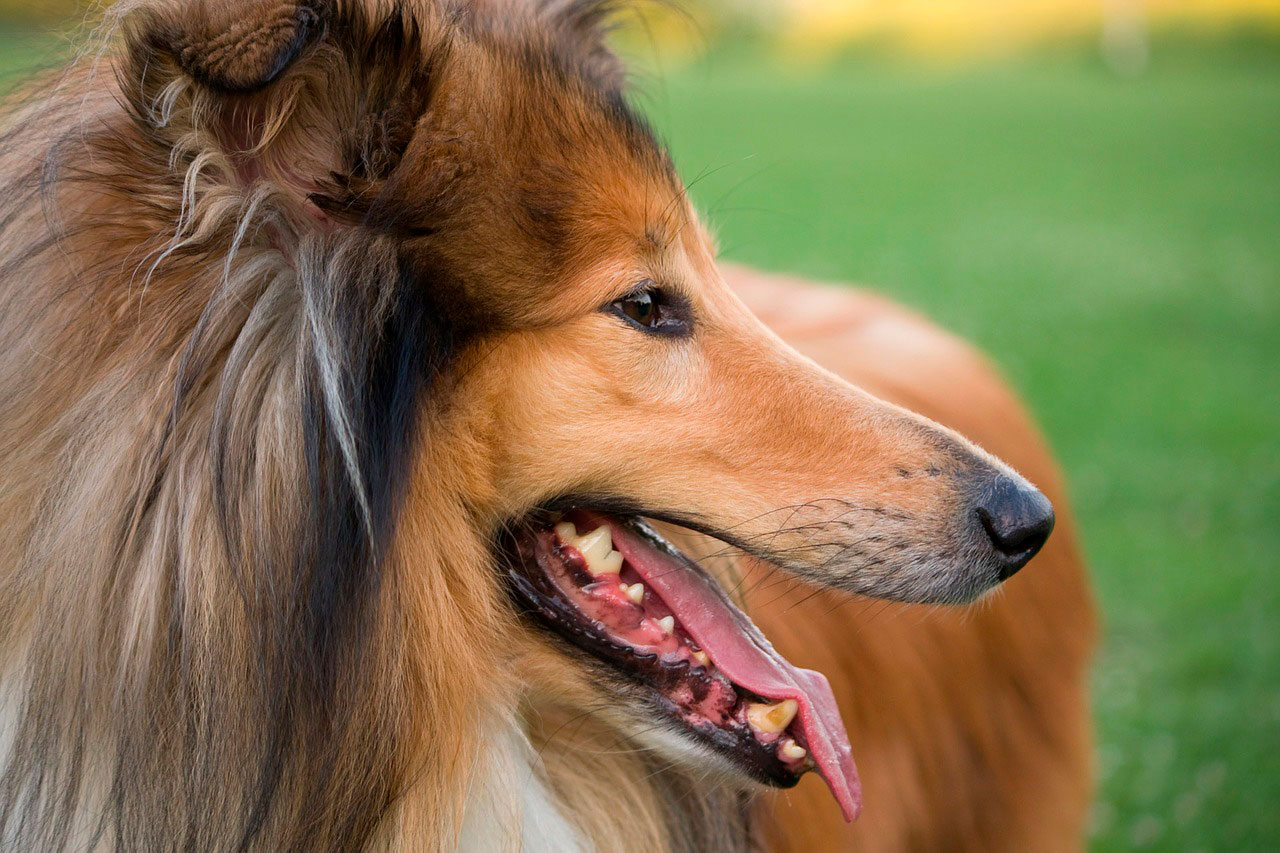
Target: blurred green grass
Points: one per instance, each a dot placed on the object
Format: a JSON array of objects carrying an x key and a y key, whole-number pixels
[{"x": 1115, "y": 243}]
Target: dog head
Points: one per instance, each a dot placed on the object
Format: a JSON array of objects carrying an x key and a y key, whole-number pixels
[
  {"x": 518, "y": 348},
  {"x": 601, "y": 359}
]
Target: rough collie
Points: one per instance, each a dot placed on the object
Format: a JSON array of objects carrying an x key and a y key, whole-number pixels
[{"x": 368, "y": 388}]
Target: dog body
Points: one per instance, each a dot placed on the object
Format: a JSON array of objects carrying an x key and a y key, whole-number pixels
[{"x": 345, "y": 347}]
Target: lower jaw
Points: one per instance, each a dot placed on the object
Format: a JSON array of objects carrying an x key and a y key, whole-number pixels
[{"x": 552, "y": 584}]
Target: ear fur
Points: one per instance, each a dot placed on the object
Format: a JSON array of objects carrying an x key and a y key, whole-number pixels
[
  {"x": 316, "y": 97},
  {"x": 239, "y": 46},
  {"x": 582, "y": 26}
]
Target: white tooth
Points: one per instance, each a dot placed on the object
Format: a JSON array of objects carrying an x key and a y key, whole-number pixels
[
  {"x": 772, "y": 718},
  {"x": 611, "y": 564},
  {"x": 667, "y": 624},
  {"x": 596, "y": 548},
  {"x": 701, "y": 657},
  {"x": 791, "y": 751},
  {"x": 596, "y": 545},
  {"x": 635, "y": 592}
]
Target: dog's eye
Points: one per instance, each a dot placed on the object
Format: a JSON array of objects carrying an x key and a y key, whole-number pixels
[
  {"x": 642, "y": 308},
  {"x": 651, "y": 309}
]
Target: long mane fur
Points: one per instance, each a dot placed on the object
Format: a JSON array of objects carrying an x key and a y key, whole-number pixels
[{"x": 211, "y": 633}]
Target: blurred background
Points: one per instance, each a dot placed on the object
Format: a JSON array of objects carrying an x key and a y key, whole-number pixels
[{"x": 1090, "y": 189}]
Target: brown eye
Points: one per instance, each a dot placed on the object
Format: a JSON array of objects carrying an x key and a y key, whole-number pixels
[
  {"x": 652, "y": 309},
  {"x": 642, "y": 309}
]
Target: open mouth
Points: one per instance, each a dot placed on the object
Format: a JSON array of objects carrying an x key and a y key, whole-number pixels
[{"x": 613, "y": 587}]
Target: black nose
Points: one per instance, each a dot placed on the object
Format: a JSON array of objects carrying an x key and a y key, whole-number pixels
[{"x": 1017, "y": 518}]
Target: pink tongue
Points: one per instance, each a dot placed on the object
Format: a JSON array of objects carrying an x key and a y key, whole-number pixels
[{"x": 741, "y": 652}]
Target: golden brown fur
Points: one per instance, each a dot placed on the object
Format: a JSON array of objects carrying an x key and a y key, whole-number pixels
[{"x": 300, "y": 304}]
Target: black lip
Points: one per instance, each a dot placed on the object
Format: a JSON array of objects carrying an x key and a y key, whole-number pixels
[{"x": 538, "y": 598}]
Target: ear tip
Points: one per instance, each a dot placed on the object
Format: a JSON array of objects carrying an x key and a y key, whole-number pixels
[
  {"x": 239, "y": 50},
  {"x": 315, "y": 15},
  {"x": 310, "y": 25}
]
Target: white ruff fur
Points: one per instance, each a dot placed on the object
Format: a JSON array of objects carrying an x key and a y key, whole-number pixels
[{"x": 509, "y": 805}]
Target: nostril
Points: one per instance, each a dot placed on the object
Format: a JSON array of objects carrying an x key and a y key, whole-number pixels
[
  {"x": 1018, "y": 520},
  {"x": 1013, "y": 539}
]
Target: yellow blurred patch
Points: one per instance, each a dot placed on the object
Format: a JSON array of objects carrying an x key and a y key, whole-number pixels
[{"x": 947, "y": 27}]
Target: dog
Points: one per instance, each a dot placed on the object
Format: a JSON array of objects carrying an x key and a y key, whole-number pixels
[{"x": 368, "y": 382}]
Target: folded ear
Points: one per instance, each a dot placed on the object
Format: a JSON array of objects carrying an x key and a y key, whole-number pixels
[
  {"x": 315, "y": 97},
  {"x": 236, "y": 45}
]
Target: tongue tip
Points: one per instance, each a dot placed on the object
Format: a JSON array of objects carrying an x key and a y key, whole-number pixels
[
  {"x": 845, "y": 787},
  {"x": 850, "y": 801},
  {"x": 826, "y": 733}
]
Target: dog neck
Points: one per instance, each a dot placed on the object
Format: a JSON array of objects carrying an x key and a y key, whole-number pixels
[{"x": 510, "y": 804}]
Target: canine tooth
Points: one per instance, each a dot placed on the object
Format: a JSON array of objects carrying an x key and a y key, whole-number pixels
[
  {"x": 772, "y": 718},
  {"x": 596, "y": 544},
  {"x": 635, "y": 592},
  {"x": 701, "y": 657},
  {"x": 611, "y": 564},
  {"x": 667, "y": 624},
  {"x": 791, "y": 751}
]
